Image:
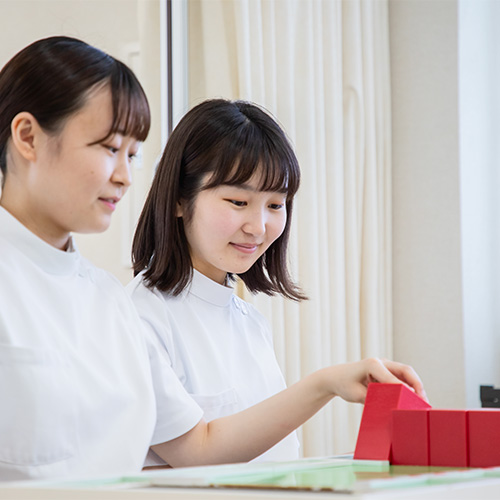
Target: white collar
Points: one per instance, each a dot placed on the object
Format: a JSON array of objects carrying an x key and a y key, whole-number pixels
[
  {"x": 49, "y": 258},
  {"x": 209, "y": 290}
]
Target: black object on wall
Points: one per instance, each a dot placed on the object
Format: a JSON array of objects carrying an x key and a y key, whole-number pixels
[{"x": 490, "y": 397}]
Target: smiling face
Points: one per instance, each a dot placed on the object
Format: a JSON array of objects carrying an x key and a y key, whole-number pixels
[
  {"x": 232, "y": 226},
  {"x": 70, "y": 182}
]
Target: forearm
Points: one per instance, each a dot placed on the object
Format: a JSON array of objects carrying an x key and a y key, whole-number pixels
[{"x": 245, "y": 435}]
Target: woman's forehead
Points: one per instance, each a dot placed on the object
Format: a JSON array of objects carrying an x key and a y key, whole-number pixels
[{"x": 259, "y": 176}]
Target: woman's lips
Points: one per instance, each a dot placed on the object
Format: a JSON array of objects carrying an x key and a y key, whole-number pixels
[
  {"x": 245, "y": 247},
  {"x": 110, "y": 202}
]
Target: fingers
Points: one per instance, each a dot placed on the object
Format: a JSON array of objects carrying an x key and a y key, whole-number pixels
[
  {"x": 408, "y": 375},
  {"x": 378, "y": 371},
  {"x": 392, "y": 372},
  {"x": 358, "y": 376},
  {"x": 358, "y": 394},
  {"x": 352, "y": 379}
]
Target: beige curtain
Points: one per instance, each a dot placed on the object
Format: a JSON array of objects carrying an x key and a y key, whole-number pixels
[{"x": 322, "y": 68}]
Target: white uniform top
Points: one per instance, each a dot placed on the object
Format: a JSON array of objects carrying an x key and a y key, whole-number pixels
[
  {"x": 219, "y": 346},
  {"x": 76, "y": 390}
]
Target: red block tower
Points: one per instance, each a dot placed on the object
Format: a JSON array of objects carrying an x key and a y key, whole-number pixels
[{"x": 374, "y": 437}]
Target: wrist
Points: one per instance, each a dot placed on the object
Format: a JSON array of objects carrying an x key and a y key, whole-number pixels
[{"x": 324, "y": 383}]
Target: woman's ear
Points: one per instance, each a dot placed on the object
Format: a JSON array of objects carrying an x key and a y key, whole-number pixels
[
  {"x": 24, "y": 128},
  {"x": 178, "y": 209}
]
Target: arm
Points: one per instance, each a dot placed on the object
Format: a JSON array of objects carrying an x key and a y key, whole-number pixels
[{"x": 245, "y": 435}]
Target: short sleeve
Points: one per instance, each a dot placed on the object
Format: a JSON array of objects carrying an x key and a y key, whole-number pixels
[{"x": 177, "y": 412}]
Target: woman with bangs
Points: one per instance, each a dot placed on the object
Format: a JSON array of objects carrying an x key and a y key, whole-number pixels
[
  {"x": 75, "y": 378},
  {"x": 76, "y": 387},
  {"x": 220, "y": 206}
]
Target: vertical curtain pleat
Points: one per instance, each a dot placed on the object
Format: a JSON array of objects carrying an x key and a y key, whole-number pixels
[{"x": 321, "y": 67}]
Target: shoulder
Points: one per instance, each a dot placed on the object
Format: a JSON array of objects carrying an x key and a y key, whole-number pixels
[
  {"x": 108, "y": 294},
  {"x": 105, "y": 281},
  {"x": 137, "y": 287},
  {"x": 150, "y": 303},
  {"x": 102, "y": 277},
  {"x": 143, "y": 296},
  {"x": 248, "y": 308},
  {"x": 250, "y": 314}
]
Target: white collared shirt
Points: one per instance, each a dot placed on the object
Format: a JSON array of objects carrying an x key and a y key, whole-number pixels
[
  {"x": 219, "y": 346},
  {"x": 76, "y": 391}
]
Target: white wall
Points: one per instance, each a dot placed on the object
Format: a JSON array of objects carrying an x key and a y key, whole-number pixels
[
  {"x": 118, "y": 27},
  {"x": 479, "y": 102},
  {"x": 446, "y": 122},
  {"x": 427, "y": 284},
  {"x": 106, "y": 23}
]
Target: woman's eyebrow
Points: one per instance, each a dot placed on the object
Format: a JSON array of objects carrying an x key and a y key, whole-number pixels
[{"x": 247, "y": 187}]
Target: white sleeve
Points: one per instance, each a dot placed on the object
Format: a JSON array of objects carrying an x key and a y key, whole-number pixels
[{"x": 177, "y": 412}]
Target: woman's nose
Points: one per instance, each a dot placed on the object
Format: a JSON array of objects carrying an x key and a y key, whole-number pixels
[
  {"x": 123, "y": 172},
  {"x": 255, "y": 223}
]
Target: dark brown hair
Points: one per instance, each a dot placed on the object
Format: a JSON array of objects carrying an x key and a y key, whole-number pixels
[
  {"x": 52, "y": 78},
  {"x": 231, "y": 141}
]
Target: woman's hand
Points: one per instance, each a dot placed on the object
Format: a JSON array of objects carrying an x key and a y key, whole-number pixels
[{"x": 350, "y": 381}]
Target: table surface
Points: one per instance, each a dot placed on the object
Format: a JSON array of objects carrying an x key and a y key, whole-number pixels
[{"x": 335, "y": 477}]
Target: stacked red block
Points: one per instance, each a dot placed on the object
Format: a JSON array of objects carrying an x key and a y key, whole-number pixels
[
  {"x": 399, "y": 426},
  {"x": 375, "y": 436}
]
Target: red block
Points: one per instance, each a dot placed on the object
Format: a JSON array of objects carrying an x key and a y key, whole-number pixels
[
  {"x": 484, "y": 438},
  {"x": 374, "y": 437},
  {"x": 410, "y": 437},
  {"x": 448, "y": 437}
]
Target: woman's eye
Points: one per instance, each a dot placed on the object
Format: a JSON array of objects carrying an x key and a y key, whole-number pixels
[
  {"x": 111, "y": 149},
  {"x": 238, "y": 203},
  {"x": 276, "y": 206}
]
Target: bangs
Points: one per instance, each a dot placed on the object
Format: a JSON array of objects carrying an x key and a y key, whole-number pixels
[
  {"x": 131, "y": 114},
  {"x": 249, "y": 152}
]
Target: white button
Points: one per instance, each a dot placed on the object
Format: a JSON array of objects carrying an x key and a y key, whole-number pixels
[{"x": 240, "y": 305}]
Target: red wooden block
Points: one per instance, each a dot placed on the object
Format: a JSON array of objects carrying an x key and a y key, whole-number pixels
[
  {"x": 410, "y": 437},
  {"x": 448, "y": 438},
  {"x": 484, "y": 438},
  {"x": 374, "y": 437}
]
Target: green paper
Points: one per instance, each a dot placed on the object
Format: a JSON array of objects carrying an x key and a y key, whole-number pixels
[{"x": 326, "y": 474}]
